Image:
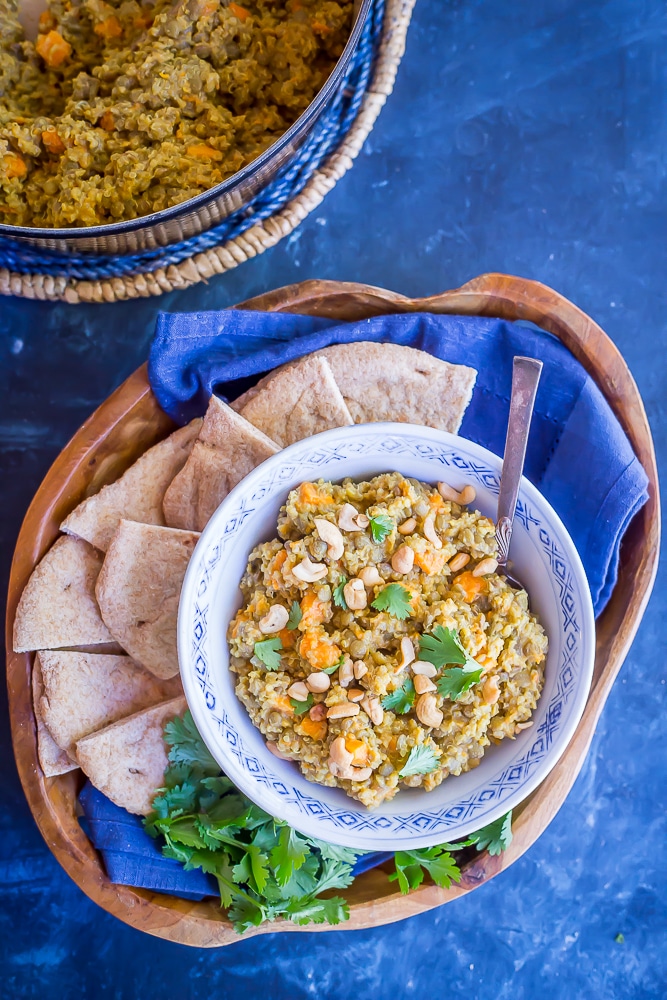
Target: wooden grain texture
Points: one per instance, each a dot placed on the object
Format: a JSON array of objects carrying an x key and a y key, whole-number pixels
[{"x": 130, "y": 421}]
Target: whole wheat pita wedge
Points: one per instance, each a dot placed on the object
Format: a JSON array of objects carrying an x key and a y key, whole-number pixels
[
  {"x": 52, "y": 759},
  {"x": 84, "y": 692},
  {"x": 391, "y": 382},
  {"x": 299, "y": 401},
  {"x": 227, "y": 449},
  {"x": 127, "y": 760},
  {"x": 137, "y": 495},
  {"x": 58, "y": 606},
  {"x": 138, "y": 590}
]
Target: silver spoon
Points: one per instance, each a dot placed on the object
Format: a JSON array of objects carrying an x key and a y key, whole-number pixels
[{"x": 525, "y": 378}]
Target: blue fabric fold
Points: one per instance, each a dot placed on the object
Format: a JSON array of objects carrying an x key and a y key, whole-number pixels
[
  {"x": 132, "y": 857},
  {"x": 578, "y": 454}
]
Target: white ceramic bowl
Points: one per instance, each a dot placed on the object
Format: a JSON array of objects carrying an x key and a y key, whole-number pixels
[{"x": 544, "y": 558}]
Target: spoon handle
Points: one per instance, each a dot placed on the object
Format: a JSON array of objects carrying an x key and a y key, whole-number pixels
[{"x": 525, "y": 378}]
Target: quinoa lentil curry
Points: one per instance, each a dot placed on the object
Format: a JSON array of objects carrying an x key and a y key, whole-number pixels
[
  {"x": 126, "y": 107},
  {"x": 376, "y": 644}
]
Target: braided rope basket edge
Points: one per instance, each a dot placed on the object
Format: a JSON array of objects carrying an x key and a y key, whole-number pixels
[{"x": 259, "y": 237}]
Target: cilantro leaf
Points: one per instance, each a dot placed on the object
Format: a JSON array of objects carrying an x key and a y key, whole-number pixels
[
  {"x": 496, "y": 837},
  {"x": 334, "y": 875},
  {"x": 317, "y": 911},
  {"x": 381, "y": 525},
  {"x": 442, "y": 647},
  {"x": 246, "y": 913},
  {"x": 394, "y": 598},
  {"x": 295, "y": 615},
  {"x": 402, "y": 699},
  {"x": 337, "y": 664},
  {"x": 186, "y": 745},
  {"x": 456, "y": 681},
  {"x": 288, "y": 855},
  {"x": 301, "y": 706},
  {"x": 268, "y": 652},
  {"x": 422, "y": 760},
  {"x": 338, "y": 595},
  {"x": 437, "y": 861}
]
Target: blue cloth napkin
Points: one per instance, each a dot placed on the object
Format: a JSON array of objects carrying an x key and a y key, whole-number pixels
[
  {"x": 578, "y": 455},
  {"x": 132, "y": 857}
]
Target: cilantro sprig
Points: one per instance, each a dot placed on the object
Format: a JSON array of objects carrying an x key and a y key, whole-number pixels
[
  {"x": 421, "y": 760},
  {"x": 395, "y": 599},
  {"x": 268, "y": 651},
  {"x": 402, "y": 699},
  {"x": 295, "y": 616},
  {"x": 381, "y": 526},
  {"x": 302, "y": 706},
  {"x": 262, "y": 867},
  {"x": 443, "y": 646},
  {"x": 338, "y": 595}
]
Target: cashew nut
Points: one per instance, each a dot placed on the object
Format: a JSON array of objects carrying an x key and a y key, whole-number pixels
[
  {"x": 408, "y": 526},
  {"x": 424, "y": 668},
  {"x": 424, "y": 684},
  {"x": 370, "y": 576},
  {"x": 309, "y": 571},
  {"x": 342, "y": 711},
  {"x": 430, "y": 532},
  {"x": 427, "y": 711},
  {"x": 355, "y": 594},
  {"x": 460, "y": 560},
  {"x": 488, "y": 565},
  {"x": 298, "y": 691},
  {"x": 273, "y": 748},
  {"x": 403, "y": 559},
  {"x": 275, "y": 620},
  {"x": 359, "y": 668},
  {"x": 355, "y": 694},
  {"x": 373, "y": 710},
  {"x": 318, "y": 682},
  {"x": 466, "y": 496},
  {"x": 339, "y": 753},
  {"x": 407, "y": 652},
  {"x": 330, "y": 534},
  {"x": 346, "y": 672},
  {"x": 351, "y": 519}
]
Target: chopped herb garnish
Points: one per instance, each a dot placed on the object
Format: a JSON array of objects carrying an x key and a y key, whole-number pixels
[
  {"x": 381, "y": 525},
  {"x": 494, "y": 838},
  {"x": 268, "y": 652},
  {"x": 338, "y": 595},
  {"x": 295, "y": 615},
  {"x": 339, "y": 663},
  {"x": 422, "y": 760},
  {"x": 302, "y": 706},
  {"x": 402, "y": 699},
  {"x": 455, "y": 681},
  {"x": 442, "y": 647},
  {"x": 395, "y": 599}
]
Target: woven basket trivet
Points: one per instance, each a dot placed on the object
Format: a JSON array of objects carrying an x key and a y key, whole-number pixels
[{"x": 201, "y": 256}]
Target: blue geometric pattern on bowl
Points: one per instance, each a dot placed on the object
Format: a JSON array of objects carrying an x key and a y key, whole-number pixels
[{"x": 305, "y": 804}]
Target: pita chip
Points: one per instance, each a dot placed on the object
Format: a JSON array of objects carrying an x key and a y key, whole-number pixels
[
  {"x": 58, "y": 606},
  {"x": 137, "y": 495},
  {"x": 297, "y": 402},
  {"x": 138, "y": 591},
  {"x": 52, "y": 759},
  {"x": 391, "y": 382},
  {"x": 227, "y": 449},
  {"x": 127, "y": 760},
  {"x": 84, "y": 692}
]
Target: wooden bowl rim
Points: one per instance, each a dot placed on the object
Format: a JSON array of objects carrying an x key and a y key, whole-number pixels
[{"x": 202, "y": 924}]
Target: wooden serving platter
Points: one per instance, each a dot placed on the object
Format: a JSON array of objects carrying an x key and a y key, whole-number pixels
[{"x": 130, "y": 421}]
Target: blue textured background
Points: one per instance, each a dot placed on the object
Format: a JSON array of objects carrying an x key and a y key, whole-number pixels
[{"x": 525, "y": 137}]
